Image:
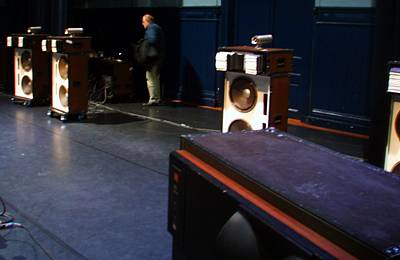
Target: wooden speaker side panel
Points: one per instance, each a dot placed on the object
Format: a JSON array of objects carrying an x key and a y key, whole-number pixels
[
  {"x": 393, "y": 145},
  {"x": 278, "y": 116},
  {"x": 78, "y": 83},
  {"x": 41, "y": 64}
]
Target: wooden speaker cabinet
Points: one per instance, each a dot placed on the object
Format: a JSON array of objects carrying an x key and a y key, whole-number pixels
[
  {"x": 392, "y": 158},
  {"x": 123, "y": 87},
  {"x": 269, "y": 195},
  {"x": 69, "y": 75},
  {"x": 31, "y": 69},
  {"x": 253, "y": 102},
  {"x": 121, "y": 84},
  {"x": 201, "y": 219},
  {"x": 256, "y": 87}
]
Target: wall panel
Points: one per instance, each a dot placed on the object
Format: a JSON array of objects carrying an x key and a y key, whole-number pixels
[
  {"x": 199, "y": 43},
  {"x": 341, "y": 68}
]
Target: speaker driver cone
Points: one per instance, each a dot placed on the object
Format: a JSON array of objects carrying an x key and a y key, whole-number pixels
[
  {"x": 243, "y": 94},
  {"x": 63, "y": 67},
  {"x": 26, "y": 60},
  {"x": 26, "y": 85},
  {"x": 397, "y": 125},
  {"x": 396, "y": 169},
  {"x": 239, "y": 125},
  {"x": 63, "y": 96}
]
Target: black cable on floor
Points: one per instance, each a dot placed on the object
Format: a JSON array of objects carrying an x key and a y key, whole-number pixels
[
  {"x": 4, "y": 217},
  {"x": 37, "y": 243},
  {"x": 9, "y": 223},
  {"x": 3, "y": 206},
  {"x": 46, "y": 232}
]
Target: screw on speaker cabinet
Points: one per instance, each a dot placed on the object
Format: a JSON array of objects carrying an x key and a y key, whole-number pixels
[{"x": 31, "y": 69}]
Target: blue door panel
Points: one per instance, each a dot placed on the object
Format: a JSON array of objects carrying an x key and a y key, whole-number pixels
[
  {"x": 293, "y": 29},
  {"x": 252, "y": 17},
  {"x": 199, "y": 37},
  {"x": 341, "y": 62}
]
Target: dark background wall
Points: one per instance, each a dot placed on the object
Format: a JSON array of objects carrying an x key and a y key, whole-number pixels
[
  {"x": 386, "y": 47},
  {"x": 340, "y": 71}
]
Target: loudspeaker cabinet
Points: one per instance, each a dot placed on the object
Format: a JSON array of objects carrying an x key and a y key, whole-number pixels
[
  {"x": 31, "y": 69},
  {"x": 69, "y": 75},
  {"x": 254, "y": 102},
  {"x": 392, "y": 159}
]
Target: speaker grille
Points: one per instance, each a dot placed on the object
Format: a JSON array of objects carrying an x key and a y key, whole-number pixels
[
  {"x": 397, "y": 125},
  {"x": 26, "y": 85},
  {"x": 63, "y": 67},
  {"x": 26, "y": 60},
  {"x": 392, "y": 158},
  {"x": 396, "y": 169},
  {"x": 243, "y": 94},
  {"x": 63, "y": 96},
  {"x": 239, "y": 125}
]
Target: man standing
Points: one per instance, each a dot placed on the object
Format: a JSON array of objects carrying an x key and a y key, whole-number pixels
[{"x": 154, "y": 38}]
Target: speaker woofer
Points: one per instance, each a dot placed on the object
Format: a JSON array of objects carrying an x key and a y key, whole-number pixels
[
  {"x": 26, "y": 85},
  {"x": 26, "y": 60},
  {"x": 239, "y": 125},
  {"x": 243, "y": 94},
  {"x": 63, "y": 96},
  {"x": 397, "y": 125},
  {"x": 396, "y": 169},
  {"x": 63, "y": 67}
]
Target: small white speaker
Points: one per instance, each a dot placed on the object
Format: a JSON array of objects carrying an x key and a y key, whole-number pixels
[{"x": 246, "y": 99}]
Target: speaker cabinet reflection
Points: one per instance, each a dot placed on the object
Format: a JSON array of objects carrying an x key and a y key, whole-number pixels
[
  {"x": 250, "y": 103},
  {"x": 392, "y": 160}
]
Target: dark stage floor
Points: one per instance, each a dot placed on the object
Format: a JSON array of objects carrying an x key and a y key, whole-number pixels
[{"x": 97, "y": 188}]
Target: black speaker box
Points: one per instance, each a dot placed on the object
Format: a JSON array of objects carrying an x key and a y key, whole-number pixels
[
  {"x": 268, "y": 195},
  {"x": 201, "y": 219}
]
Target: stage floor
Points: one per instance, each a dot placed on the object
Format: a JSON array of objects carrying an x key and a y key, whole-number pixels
[{"x": 98, "y": 188}]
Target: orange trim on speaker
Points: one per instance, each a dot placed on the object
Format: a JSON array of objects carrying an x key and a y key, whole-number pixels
[
  {"x": 289, "y": 221},
  {"x": 195, "y": 105},
  {"x": 291, "y": 121},
  {"x": 297, "y": 122}
]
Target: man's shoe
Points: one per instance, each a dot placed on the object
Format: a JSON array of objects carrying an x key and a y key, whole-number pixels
[{"x": 151, "y": 103}]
